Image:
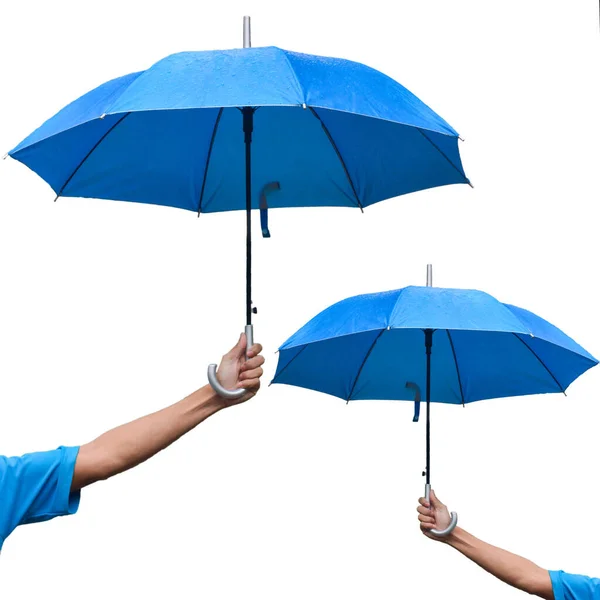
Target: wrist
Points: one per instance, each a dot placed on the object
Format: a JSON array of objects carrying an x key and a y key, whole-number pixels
[
  {"x": 207, "y": 401},
  {"x": 213, "y": 401},
  {"x": 457, "y": 538}
]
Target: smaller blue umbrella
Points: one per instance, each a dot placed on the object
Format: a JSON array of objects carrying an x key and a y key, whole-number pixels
[{"x": 459, "y": 345}]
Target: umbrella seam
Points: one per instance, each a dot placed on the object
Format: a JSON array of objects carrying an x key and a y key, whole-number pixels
[
  {"x": 302, "y": 93},
  {"x": 586, "y": 356},
  {"x": 367, "y": 355},
  {"x": 106, "y": 112},
  {"x": 89, "y": 154},
  {"x": 525, "y": 326},
  {"x": 541, "y": 362},
  {"x": 462, "y": 395},
  {"x": 339, "y": 155},
  {"x": 286, "y": 366},
  {"x": 140, "y": 74},
  {"x": 444, "y": 155},
  {"x": 208, "y": 157},
  {"x": 332, "y": 337},
  {"x": 396, "y": 306}
]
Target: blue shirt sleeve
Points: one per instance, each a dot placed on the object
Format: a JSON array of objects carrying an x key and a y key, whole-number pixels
[
  {"x": 36, "y": 487},
  {"x": 574, "y": 587}
]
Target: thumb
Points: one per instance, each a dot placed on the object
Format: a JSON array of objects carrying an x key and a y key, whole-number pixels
[
  {"x": 239, "y": 348},
  {"x": 435, "y": 501}
]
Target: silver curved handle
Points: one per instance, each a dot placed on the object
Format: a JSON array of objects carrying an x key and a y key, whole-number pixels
[
  {"x": 212, "y": 373},
  {"x": 453, "y": 519}
]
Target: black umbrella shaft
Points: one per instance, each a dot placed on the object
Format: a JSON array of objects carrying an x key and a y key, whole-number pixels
[
  {"x": 248, "y": 116},
  {"x": 428, "y": 344}
]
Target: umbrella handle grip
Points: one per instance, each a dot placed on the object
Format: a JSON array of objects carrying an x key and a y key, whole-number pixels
[
  {"x": 212, "y": 373},
  {"x": 441, "y": 533}
]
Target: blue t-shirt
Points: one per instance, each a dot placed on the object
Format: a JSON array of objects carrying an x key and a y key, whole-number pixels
[
  {"x": 36, "y": 487},
  {"x": 574, "y": 587}
]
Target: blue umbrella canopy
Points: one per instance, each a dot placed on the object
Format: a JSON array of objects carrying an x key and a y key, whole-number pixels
[
  {"x": 458, "y": 345},
  {"x": 331, "y": 132},
  {"x": 222, "y": 130},
  {"x": 370, "y": 346}
]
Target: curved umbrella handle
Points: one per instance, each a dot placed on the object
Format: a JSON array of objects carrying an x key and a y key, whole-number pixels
[
  {"x": 413, "y": 386},
  {"x": 212, "y": 373},
  {"x": 453, "y": 519}
]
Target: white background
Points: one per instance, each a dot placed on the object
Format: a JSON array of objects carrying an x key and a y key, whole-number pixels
[{"x": 110, "y": 310}]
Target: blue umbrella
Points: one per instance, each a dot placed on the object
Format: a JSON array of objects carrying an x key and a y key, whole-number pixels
[
  {"x": 459, "y": 345},
  {"x": 253, "y": 128}
]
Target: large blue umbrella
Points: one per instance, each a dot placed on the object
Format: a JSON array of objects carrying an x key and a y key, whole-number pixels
[
  {"x": 222, "y": 130},
  {"x": 459, "y": 345}
]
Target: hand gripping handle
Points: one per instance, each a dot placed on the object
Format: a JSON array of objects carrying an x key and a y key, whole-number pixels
[
  {"x": 453, "y": 519},
  {"x": 212, "y": 373}
]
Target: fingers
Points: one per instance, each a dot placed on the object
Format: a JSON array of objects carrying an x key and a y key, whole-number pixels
[
  {"x": 426, "y": 515},
  {"x": 253, "y": 363},
  {"x": 424, "y": 520},
  {"x": 252, "y": 385},
  {"x": 239, "y": 349},
  {"x": 250, "y": 375},
  {"x": 254, "y": 350}
]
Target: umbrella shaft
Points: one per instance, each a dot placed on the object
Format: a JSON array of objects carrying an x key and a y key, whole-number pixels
[
  {"x": 248, "y": 118},
  {"x": 428, "y": 344}
]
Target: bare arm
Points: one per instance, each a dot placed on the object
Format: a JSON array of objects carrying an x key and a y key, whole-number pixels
[
  {"x": 512, "y": 569},
  {"x": 131, "y": 444},
  {"x": 509, "y": 568}
]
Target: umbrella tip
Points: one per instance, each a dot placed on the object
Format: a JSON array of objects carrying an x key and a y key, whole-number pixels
[
  {"x": 5, "y": 156},
  {"x": 247, "y": 37},
  {"x": 470, "y": 184},
  {"x": 429, "y": 275}
]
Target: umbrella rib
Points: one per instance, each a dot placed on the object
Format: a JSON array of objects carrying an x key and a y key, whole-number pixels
[
  {"x": 210, "y": 149},
  {"x": 560, "y": 387},
  {"x": 291, "y": 361},
  {"x": 462, "y": 395},
  {"x": 364, "y": 362},
  {"x": 337, "y": 151},
  {"x": 88, "y": 155},
  {"x": 444, "y": 155}
]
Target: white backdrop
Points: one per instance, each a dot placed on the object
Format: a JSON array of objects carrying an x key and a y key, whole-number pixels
[{"x": 109, "y": 311}]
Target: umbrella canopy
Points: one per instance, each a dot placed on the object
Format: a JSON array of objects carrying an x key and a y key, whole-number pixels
[
  {"x": 332, "y": 132},
  {"x": 221, "y": 130},
  {"x": 370, "y": 346},
  {"x": 458, "y": 345}
]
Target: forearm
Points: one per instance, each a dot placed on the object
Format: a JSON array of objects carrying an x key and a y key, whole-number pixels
[
  {"x": 129, "y": 445},
  {"x": 506, "y": 566}
]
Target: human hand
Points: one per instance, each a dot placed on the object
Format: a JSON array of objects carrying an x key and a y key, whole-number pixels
[
  {"x": 433, "y": 515},
  {"x": 236, "y": 371}
]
